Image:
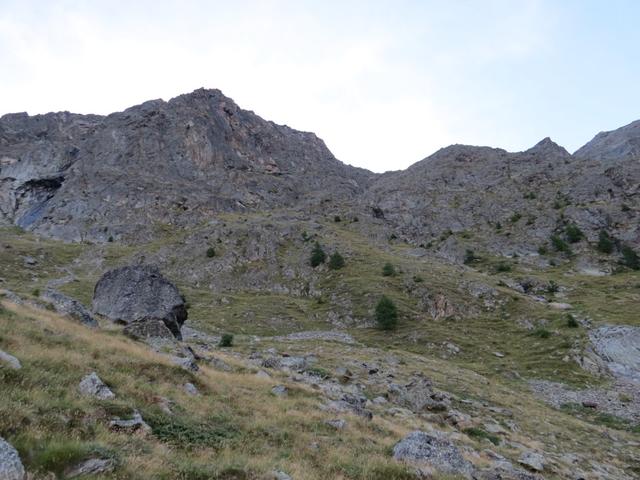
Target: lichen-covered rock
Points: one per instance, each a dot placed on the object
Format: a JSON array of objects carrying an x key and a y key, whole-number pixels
[
  {"x": 532, "y": 460},
  {"x": 10, "y": 465},
  {"x": 431, "y": 452},
  {"x": 135, "y": 293},
  {"x": 92, "y": 386}
]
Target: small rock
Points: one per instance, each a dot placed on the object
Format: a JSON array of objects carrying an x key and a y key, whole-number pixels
[
  {"x": 92, "y": 466},
  {"x": 337, "y": 423},
  {"x": 589, "y": 404},
  {"x": 10, "y": 465},
  {"x": 379, "y": 401},
  {"x": 280, "y": 391},
  {"x": 92, "y": 386},
  {"x": 344, "y": 374},
  {"x": 70, "y": 306},
  {"x": 262, "y": 374},
  {"x": 279, "y": 475},
  {"x": 499, "y": 354},
  {"x": 30, "y": 261},
  {"x": 190, "y": 389},
  {"x": 10, "y": 361},
  {"x": 134, "y": 425},
  {"x": 148, "y": 328},
  {"x": 532, "y": 460},
  {"x": 560, "y": 306},
  {"x": 188, "y": 363}
]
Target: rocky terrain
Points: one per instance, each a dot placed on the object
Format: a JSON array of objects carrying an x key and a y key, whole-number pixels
[{"x": 165, "y": 313}]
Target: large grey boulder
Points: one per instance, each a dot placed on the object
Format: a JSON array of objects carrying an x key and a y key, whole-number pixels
[
  {"x": 430, "y": 452},
  {"x": 10, "y": 465},
  {"x": 134, "y": 293}
]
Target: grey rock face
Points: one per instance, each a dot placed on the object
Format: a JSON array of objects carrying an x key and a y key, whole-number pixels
[
  {"x": 615, "y": 145},
  {"x": 617, "y": 347},
  {"x": 426, "y": 450},
  {"x": 9, "y": 361},
  {"x": 193, "y": 156},
  {"x": 92, "y": 386},
  {"x": 69, "y": 306},
  {"x": 135, "y": 293},
  {"x": 10, "y": 465}
]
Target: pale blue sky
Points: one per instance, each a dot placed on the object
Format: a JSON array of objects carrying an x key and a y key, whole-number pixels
[{"x": 383, "y": 83}]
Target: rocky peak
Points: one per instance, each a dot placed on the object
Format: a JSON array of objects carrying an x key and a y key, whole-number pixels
[
  {"x": 620, "y": 144},
  {"x": 547, "y": 147}
]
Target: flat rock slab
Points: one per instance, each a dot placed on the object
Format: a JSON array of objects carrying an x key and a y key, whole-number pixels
[{"x": 69, "y": 306}]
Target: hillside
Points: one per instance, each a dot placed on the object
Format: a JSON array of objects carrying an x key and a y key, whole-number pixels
[{"x": 514, "y": 276}]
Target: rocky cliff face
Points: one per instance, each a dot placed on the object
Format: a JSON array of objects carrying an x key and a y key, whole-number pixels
[{"x": 178, "y": 163}]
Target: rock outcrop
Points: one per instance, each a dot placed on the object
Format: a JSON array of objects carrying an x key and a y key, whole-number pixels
[
  {"x": 10, "y": 465},
  {"x": 138, "y": 293}
]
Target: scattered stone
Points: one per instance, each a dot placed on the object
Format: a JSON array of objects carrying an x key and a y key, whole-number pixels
[
  {"x": 330, "y": 335},
  {"x": 589, "y": 404},
  {"x": 10, "y": 465},
  {"x": 92, "y": 466},
  {"x": 279, "y": 475},
  {"x": 379, "y": 401},
  {"x": 92, "y": 386},
  {"x": 135, "y": 425},
  {"x": 30, "y": 261},
  {"x": 499, "y": 354},
  {"x": 134, "y": 293},
  {"x": 419, "y": 395},
  {"x": 343, "y": 374},
  {"x": 220, "y": 364},
  {"x": 69, "y": 306},
  {"x": 10, "y": 361},
  {"x": 532, "y": 460},
  {"x": 280, "y": 391},
  {"x": 262, "y": 374},
  {"x": 431, "y": 452},
  {"x": 188, "y": 363},
  {"x": 337, "y": 423},
  {"x": 190, "y": 389}
]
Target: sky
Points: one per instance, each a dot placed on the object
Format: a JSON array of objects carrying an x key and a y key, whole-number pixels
[{"x": 383, "y": 83}]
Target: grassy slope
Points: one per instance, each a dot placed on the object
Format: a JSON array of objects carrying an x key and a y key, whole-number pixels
[{"x": 604, "y": 299}]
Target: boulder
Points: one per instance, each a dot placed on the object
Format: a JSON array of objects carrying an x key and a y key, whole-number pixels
[
  {"x": 148, "y": 328},
  {"x": 532, "y": 460},
  {"x": 9, "y": 360},
  {"x": 10, "y": 465},
  {"x": 430, "y": 452},
  {"x": 135, "y": 293},
  {"x": 69, "y": 306},
  {"x": 134, "y": 425},
  {"x": 92, "y": 386},
  {"x": 280, "y": 391}
]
